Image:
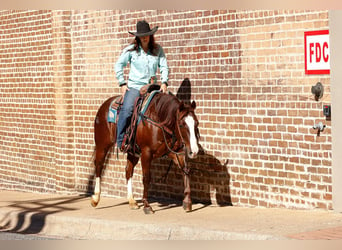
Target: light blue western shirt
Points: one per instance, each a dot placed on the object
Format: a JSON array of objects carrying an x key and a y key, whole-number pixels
[{"x": 143, "y": 66}]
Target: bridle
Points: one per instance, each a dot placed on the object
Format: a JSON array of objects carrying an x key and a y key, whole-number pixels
[
  {"x": 166, "y": 131},
  {"x": 181, "y": 150}
]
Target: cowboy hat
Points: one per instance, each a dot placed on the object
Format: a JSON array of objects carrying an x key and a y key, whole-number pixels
[{"x": 143, "y": 29}]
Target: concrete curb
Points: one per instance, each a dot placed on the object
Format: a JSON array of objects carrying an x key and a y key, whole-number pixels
[
  {"x": 72, "y": 217},
  {"x": 90, "y": 228}
]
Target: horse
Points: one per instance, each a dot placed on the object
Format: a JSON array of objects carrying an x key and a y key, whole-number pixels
[{"x": 168, "y": 127}]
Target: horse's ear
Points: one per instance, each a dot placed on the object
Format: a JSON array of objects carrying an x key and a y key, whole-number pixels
[{"x": 193, "y": 104}]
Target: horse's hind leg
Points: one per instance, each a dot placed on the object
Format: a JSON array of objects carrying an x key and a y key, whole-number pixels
[
  {"x": 104, "y": 135},
  {"x": 131, "y": 162},
  {"x": 99, "y": 163}
]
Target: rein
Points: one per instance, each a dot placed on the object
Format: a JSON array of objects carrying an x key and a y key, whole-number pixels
[{"x": 165, "y": 130}]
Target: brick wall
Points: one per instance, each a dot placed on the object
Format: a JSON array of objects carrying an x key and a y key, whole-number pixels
[
  {"x": 27, "y": 154},
  {"x": 245, "y": 71}
]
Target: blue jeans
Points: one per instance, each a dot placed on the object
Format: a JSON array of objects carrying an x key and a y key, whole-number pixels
[{"x": 125, "y": 114}]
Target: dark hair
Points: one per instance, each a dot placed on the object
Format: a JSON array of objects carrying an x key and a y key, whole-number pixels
[{"x": 152, "y": 46}]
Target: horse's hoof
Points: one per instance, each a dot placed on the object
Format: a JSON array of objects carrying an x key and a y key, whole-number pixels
[
  {"x": 133, "y": 206},
  {"x": 148, "y": 210},
  {"x": 93, "y": 201},
  {"x": 187, "y": 206}
]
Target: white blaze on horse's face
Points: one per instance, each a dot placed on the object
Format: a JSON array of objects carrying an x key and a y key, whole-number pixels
[{"x": 190, "y": 122}]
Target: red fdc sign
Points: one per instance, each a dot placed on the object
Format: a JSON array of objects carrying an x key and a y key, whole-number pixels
[{"x": 317, "y": 52}]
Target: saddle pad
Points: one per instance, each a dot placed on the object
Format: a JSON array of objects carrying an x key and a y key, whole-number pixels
[
  {"x": 147, "y": 103},
  {"x": 112, "y": 112}
]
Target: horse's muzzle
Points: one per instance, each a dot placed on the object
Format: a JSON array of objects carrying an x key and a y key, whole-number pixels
[{"x": 192, "y": 155}]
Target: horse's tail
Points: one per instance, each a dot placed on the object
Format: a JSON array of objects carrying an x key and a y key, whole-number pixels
[
  {"x": 92, "y": 158},
  {"x": 90, "y": 189}
]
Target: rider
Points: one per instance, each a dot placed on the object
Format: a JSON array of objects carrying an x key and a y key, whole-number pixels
[{"x": 144, "y": 57}]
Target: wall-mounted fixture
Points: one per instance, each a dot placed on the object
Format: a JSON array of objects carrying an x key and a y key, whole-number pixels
[
  {"x": 327, "y": 111},
  {"x": 320, "y": 127},
  {"x": 317, "y": 90}
]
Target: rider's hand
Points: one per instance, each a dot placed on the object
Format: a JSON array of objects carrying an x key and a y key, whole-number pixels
[
  {"x": 163, "y": 88},
  {"x": 124, "y": 88}
]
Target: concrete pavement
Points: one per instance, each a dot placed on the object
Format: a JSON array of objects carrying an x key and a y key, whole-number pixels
[{"x": 71, "y": 216}]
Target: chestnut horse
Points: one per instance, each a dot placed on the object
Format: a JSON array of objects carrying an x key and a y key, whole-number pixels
[{"x": 168, "y": 128}]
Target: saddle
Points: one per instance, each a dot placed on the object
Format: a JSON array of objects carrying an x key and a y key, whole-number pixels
[{"x": 141, "y": 103}]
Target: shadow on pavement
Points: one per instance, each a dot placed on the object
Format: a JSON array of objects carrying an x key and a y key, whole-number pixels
[{"x": 32, "y": 218}]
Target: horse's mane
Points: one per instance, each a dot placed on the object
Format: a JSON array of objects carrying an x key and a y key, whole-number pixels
[{"x": 166, "y": 109}]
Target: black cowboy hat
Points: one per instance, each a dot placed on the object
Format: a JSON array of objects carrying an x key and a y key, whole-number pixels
[{"x": 143, "y": 29}]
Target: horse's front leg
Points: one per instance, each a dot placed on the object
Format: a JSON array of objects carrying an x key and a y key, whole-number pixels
[
  {"x": 146, "y": 159},
  {"x": 131, "y": 162},
  {"x": 181, "y": 161},
  {"x": 187, "y": 203}
]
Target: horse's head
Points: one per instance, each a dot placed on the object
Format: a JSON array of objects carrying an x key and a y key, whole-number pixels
[{"x": 188, "y": 128}]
